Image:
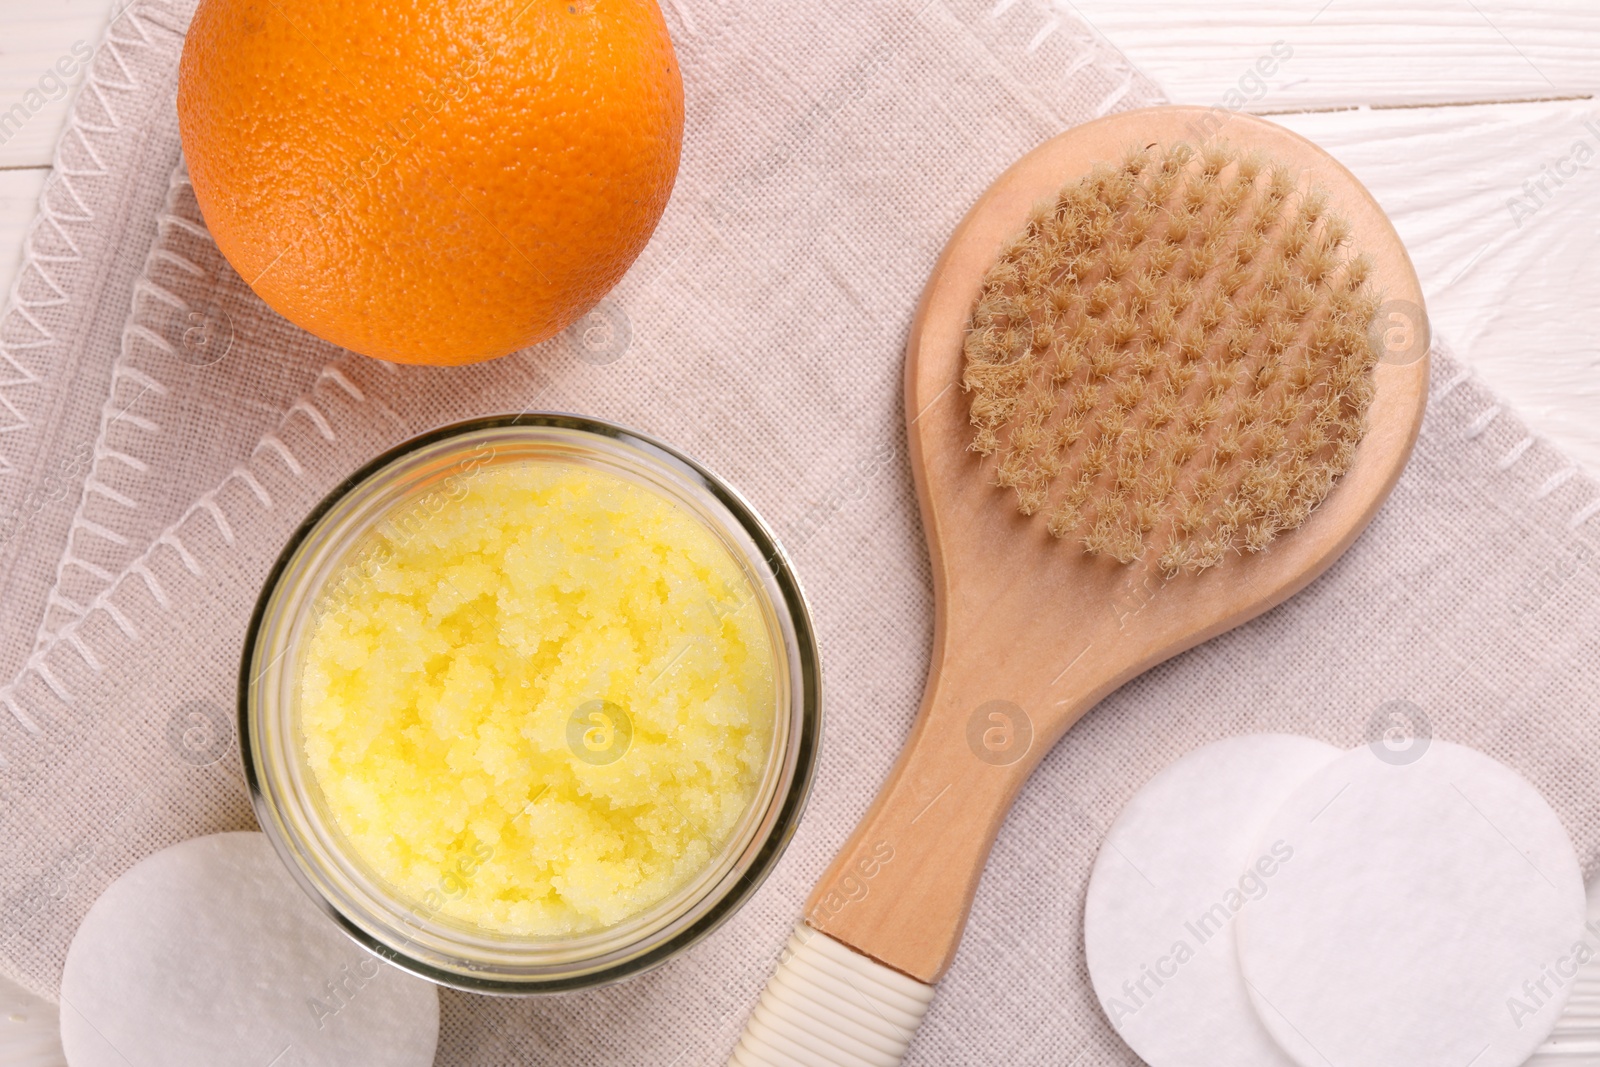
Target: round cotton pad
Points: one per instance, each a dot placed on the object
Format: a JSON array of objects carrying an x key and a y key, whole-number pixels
[
  {"x": 1179, "y": 863},
  {"x": 1432, "y": 914},
  {"x": 207, "y": 953}
]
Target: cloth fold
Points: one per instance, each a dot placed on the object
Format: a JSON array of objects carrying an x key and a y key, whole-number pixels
[{"x": 829, "y": 152}]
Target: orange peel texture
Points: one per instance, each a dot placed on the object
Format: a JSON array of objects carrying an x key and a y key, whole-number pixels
[{"x": 431, "y": 181}]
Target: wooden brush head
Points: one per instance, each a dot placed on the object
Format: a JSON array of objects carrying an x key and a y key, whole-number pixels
[
  {"x": 1174, "y": 355},
  {"x": 1040, "y": 616}
]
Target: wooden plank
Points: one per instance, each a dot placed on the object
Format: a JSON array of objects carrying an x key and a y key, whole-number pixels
[
  {"x": 1509, "y": 289},
  {"x": 42, "y": 61},
  {"x": 1351, "y": 52},
  {"x": 30, "y": 1030},
  {"x": 1496, "y": 204}
]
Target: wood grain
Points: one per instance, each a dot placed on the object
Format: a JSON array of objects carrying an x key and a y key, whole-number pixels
[
  {"x": 1510, "y": 287},
  {"x": 1357, "y": 52},
  {"x": 38, "y": 36},
  {"x": 1006, "y": 592},
  {"x": 1520, "y": 319}
]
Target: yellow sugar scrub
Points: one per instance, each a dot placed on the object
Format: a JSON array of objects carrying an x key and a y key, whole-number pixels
[{"x": 542, "y": 706}]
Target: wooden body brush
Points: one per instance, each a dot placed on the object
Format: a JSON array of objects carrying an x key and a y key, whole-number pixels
[{"x": 1164, "y": 373}]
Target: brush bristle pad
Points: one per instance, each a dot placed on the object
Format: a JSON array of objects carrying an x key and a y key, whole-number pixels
[
  {"x": 207, "y": 954},
  {"x": 1432, "y": 916},
  {"x": 1172, "y": 359},
  {"x": 1180, "y": 862}
]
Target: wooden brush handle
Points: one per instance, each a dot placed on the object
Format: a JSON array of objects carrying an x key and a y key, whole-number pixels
[
  {"x": 884, "y": 922},
  {"x": 1028, "y": 632},
  {"x": 901, "y": 887}
]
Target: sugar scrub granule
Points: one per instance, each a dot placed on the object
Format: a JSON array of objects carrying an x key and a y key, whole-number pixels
[
  {"x": 207, "y": 954},
  {"x": 543, "y": 706}
]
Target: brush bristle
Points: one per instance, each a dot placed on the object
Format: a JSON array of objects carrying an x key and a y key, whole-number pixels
[{"x": 1173, "y": 358}]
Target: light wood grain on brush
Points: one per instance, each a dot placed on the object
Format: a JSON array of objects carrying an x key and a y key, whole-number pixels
[{"x": 1028, "y": 621}]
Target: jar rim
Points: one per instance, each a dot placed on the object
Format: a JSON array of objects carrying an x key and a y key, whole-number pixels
[{"x": 789, "y": 774}]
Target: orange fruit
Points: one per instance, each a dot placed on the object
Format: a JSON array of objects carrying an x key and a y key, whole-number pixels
[{"x": 431, "y": 181}]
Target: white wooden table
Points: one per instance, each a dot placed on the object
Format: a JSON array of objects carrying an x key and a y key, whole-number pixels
[
  {"x": 1461, "y": 117},
  {"x": 1474, "y": 122}
]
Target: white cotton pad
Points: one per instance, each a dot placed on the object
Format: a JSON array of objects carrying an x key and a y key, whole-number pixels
[
  {"x": 1432, "y": 915},
  {"x": 1179, "y": 863},
  {"x": 207, "y": 953}
]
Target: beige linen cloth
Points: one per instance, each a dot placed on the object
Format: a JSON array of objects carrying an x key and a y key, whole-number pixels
[{"x": 162, "y": 433}]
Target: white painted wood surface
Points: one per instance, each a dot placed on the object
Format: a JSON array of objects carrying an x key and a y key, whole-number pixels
[
  {"x": 30, "y": 1031},
  {"x": 1357, "y": 52},
  {"x": 38, "y": 35},
  {"x": 1510, "y": 89},
  {"x": 1508, "y": 248},
  {"x": 1504, "y": 238}
]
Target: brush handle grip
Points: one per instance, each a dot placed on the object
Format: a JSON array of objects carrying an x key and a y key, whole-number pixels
[
  {"x": 830, "y": 1006},
  {"x": 900, "y": 889}
]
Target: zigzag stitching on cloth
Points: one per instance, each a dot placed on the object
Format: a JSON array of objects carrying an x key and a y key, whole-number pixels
[
  {"x": 1108, "y": 55},
  {"x": 99, "y": 572},
  {"x": 336, "y": 376},
  {"x": 155, "y": 340},
  {"x": 26, "y": 315},
  {"x": 61, "y": 296},
  {"x": 120, "y": 619},
  {"x": 83, "y": 214},
  {"x": 21, "y": 424},
  {"x": 66, "y": 239},
  {"x": 187, "y": 265},
  {"x": 94, "y": 485},
  {"x": 71, "y": 635},
  {"x": 23, "y": 718},
  {"x": 138, "y": 377},
  {"x": 55, "y": 599},
  {"x": 1480, "y": 423},
  {"x": 304, "y": 406},
  {"x": 1453, "y": 384},
  {"x": 274, "y": 444},
  {"x": 133, "y": 331},
  {"x": 136, "y": 420},
  {"x": 77, "y": 134},
  {"x": 139, "y": 567},
  {"x": 178, "y": 222},
  {"x": 51, "y": 218},
  {"x": 210, "y": 506},
  {"x": 42, "y": 669},
  {"x": 1092, "y": 49},
  {"x": 111, "y": 37},
  {"x": 1509, "y": 460},
  {"x": 103, "y": 532},
  {"x": 132, "y": 461},
  {"x": 23, "y": 375},
  {"x": 190, "y": 564},
  {"x": 257, "y": 490},
  {"x": 1555, "y": 481},
  {"x": 83, "y": 650}
]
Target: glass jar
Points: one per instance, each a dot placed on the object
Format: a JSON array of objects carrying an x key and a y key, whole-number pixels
[{"x": 288, "y": 803}]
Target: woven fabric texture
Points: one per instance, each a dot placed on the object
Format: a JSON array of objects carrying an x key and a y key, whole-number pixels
[{"x": 829, "y": 151}]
